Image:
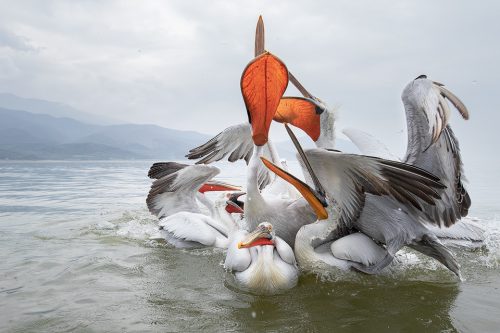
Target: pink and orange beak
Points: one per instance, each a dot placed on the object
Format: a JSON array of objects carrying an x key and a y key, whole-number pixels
[
  {"x": 233, "y": 208},
  {"x": 234, "y": 205},
  {"x": 214, "y": 186},
  {"x": 263, "y": 83},
  {"x": 301, "y": 112},
  {"x": 260, "y": 236},
  {"x": 264, "y": 80},
  {"x": 315, "y": 199}
]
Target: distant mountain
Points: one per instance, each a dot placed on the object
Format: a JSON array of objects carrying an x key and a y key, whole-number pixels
[
  {"x": 25, "y": 135},
  {"x": 13, "y": 102},
  {"x": 31, "y": 136}
]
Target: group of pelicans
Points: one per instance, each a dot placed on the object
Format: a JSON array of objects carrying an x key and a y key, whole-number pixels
[{"x": 351, "y": 212}]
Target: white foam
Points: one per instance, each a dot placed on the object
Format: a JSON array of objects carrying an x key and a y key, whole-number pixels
[{"x": 137, "y": 230}]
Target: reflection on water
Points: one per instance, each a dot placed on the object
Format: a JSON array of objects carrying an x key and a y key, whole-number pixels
[
  {"x": 76, "y": 256},
  {"x": 366, "y": 307}
]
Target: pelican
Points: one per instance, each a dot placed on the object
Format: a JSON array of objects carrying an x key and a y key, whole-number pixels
[
  {"x": 261, "y": 261},
  {"x": 249, "y": 141},
  {"x": 174, "y": 198},
  {"x": 263, "y": 82},
  {"x": 342, "y": 182},
  {"x": 308, "y": 113},
  {"x": 432, "y": 146}
]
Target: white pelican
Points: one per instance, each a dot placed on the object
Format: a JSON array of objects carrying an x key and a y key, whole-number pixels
[
  {"x": 342, "y": 182},
  {"x": 433, "y": 147},
  {"x": 261, "y": 261},
  {"x": 263, "y": 83},
  {"x": 173, "y": 199},
  {"x": 432, "y": 144},
  {"x": 249, "y": 141}
]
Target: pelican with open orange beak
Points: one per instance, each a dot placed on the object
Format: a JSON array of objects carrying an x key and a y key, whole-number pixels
[
  {"x": 308, "y": 113},
  {"x": 263, "y": 83},
  {"x": 261, "y": 261}
]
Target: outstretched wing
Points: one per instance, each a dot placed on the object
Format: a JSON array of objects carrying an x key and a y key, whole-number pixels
[
  {"x": 235, "y": 143},
  {"x": 347, "y": 177},
  {"x": 176, "y": 192},
  {"x": 432, "y": 146},
  {"x": 162, "y": 169}
]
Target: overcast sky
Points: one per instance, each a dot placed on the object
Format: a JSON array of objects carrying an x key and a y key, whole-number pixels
[{"x": 178, "y": 63}]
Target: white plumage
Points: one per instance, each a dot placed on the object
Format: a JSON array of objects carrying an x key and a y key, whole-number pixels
[
  {"x": 265, "y": 269},
  {"x": 174, "y": 198}
]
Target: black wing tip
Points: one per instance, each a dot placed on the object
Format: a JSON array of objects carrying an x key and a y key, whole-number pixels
[
  {"x": 416, "y": 170},
  {"x": 162, "y": 169}
]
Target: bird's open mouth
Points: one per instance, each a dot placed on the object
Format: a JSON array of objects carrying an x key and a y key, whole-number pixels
[
  {"x": 234, "y": 205},
  {"x": 263, "y": 83}
]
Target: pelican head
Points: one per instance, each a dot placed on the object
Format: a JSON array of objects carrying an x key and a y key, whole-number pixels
[
  {"x": 262, "y": 235},
  {"x": 262, "y": 262},
  {"x": 431, "y": 98}
]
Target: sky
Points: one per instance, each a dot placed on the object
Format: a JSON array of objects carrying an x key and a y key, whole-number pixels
[{"x": 178, "y": 64}]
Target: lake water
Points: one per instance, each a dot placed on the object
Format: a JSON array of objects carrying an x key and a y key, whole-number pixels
[{"x": 76, "y": 256}]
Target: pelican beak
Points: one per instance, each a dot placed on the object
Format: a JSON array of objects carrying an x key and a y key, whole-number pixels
[
  {"x": 263, "y": 83},
  {"x": 234, "y": 205},
  {"x": 300, "y": 87},
  {"x": 212, "y": 186},
  {"x": 233, "y": 208},
  {"x": 260, "y": 236},
  {"x": 301, "y": 112},
  {"x": 259, "y": 37},
  {"x": 457, "y": 103},
  {"x": 316, "y": 200}
]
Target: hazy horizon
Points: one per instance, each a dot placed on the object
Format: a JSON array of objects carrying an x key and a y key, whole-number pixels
[{"x": 178, "y": 64}]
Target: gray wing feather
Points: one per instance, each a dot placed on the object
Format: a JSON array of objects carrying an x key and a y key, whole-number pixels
[
  {"x": 161, "y": 169},
  {"x": 176, "y": 192},
  {"x": 436, "y": 152},
  {"x": 347, "y": 177},
  {"x": 235, "y": 143}
]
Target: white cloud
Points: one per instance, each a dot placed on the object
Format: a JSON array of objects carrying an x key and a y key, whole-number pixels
[{"x": 178, "y": 63}]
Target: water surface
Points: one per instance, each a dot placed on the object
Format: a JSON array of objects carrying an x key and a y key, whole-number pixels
[{"x": 76, "y": 256}]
